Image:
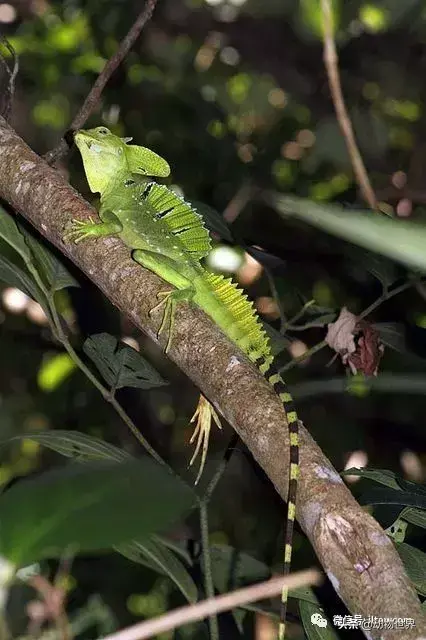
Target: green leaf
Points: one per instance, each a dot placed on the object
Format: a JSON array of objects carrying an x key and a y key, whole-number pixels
[
  {"x": 392, "y": 334},
  {"x": 415, "y": 563},
  {"x": 397, "y": 530},
  {"x": 381, "y": 268},
  {"x": 15, "y": 276},
  {"x": 233, "y": 569},
  {"x": 10, "y": 232},
  {"x": 399, "y": 240},
  {"x": 414, "y": 516},
  {"x": 55, "y": 273},
  {"x": 119, "y": 364},
  {"x": 382, "y": 476},
  {"x": 74, "y": 444},
  {"x": 322, "y": 629},
  {"x": 388, "y": 496},
  {"x": 277, "y": 341},
  {"x": 91, "y": 507},
  {"x": 213, "y": 220},
  {"x": 154, "y": 554}
]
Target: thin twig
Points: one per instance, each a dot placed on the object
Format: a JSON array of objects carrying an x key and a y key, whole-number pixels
[
  {"x": 95, "y": 92},
  {"x": 194, "y": 612},
  {"x": 12, "y": 73},
  {"x": 387, "y": 295},
  {"x": 331, "y": 65}
]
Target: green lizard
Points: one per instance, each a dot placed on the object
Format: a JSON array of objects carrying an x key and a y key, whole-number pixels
[{"x": 167, "y": 236}]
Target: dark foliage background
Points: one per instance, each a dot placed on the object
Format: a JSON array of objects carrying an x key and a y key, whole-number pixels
[{"x": 234, "y": 94}]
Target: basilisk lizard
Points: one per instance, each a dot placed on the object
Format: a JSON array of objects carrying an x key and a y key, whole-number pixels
[{"x": 167, "y": 236}]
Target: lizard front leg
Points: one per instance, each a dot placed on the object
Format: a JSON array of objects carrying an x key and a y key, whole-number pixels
[{"x": 79, "y": 230}]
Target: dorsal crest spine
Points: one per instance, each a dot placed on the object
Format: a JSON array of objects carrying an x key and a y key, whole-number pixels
[{"x": 182, "y": 220}]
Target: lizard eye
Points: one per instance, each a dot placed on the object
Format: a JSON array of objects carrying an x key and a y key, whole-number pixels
[{"x": 103, "y": 131}]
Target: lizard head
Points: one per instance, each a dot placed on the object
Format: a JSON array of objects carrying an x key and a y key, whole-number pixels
[{"x": 107, "y": 156}]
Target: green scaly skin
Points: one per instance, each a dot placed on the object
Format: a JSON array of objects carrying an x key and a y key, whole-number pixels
[{"x": 168, "y": 237}]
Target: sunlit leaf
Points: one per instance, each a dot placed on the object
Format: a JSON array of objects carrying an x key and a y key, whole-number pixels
[
  {"x": 400, "y": 240},
  {"x": 88, "y": 507},
  {"x": 154, "y": 554},
  {"x": 54, "y": 370},
  {"x": 119, "y": 364}
]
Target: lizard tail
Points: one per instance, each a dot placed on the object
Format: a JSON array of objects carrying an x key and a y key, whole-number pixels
[{"x": 280, "y": 388}]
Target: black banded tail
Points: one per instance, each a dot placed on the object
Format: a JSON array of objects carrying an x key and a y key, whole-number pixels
[{"x": 280, "y": 388}]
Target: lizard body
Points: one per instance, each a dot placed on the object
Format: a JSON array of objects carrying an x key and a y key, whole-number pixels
[{"x": 167, "y": 236}]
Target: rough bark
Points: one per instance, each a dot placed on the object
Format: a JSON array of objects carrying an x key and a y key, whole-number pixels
[{"x": 357, "y": 556}]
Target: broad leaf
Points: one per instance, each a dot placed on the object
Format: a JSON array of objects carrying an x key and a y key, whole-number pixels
[
  {"x": 399, "y": 240},
  {"x": 382, "y": 476},
  {"x": 74, "y": 444},
  {"x": 88, "y": 507},
  {"x": 392, "y": 334},
  {"x": 414, "y": 516},
  {"x": 15, "y": 276},
  {"x": 233, "y": 569},
  {"x": 55, "y": 273},
  {"x": 415, "y": 563},
  {"x": 154, "y": 554},
  {"x": 119, "y": 364},
  {"x": 389, "y": 496},
  {"x": 385, "y": 270},
  {"x": 10, "y": 232}
]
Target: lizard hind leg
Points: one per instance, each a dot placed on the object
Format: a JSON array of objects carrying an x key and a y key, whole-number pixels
[
  {"x": 167, "y": 269},
  {"x": 203, "y": 415},
  {"x": 170, "y": 299}
]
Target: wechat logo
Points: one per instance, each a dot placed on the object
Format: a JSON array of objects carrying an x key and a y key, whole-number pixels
[{"x": 316, "y": 618}]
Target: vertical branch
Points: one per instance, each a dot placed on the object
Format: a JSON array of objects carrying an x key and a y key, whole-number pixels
[{"x": 332, "y": 68}]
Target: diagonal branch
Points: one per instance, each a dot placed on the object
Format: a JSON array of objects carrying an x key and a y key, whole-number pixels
[
  {"x": 359, "y": 558},
  {"x": 95, "y": 92}
]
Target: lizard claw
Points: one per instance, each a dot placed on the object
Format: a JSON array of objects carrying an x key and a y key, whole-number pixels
[{"x": 78, "y": 230}]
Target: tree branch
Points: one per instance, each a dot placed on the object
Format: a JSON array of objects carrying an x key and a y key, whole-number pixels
[
  {"x": 358, "y": 557},
  {"x": 213, "y": 605},
  {"x": 95, "y": 92},
  {"x": 332, "y": 68}
]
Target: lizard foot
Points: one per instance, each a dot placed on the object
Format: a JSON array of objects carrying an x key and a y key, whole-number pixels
[
  {"x": 203, "y": 415},
  {"x": 170, "y": 300},
  {"x": 78, "y": 230}
]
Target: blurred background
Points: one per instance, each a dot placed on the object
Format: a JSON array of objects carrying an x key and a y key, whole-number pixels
[{"x": 234, "y": 94}]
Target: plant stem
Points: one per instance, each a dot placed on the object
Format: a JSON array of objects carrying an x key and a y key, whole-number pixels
[
  {"x": 208, "y": 576},
  {"x": 60, "y": 335},
  {"x": 106, "y": 394}
]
